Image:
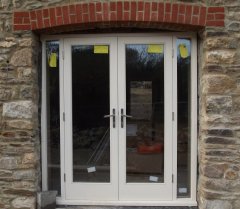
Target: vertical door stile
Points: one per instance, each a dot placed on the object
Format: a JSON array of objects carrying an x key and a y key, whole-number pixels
[{"x": 174, "y": 124}]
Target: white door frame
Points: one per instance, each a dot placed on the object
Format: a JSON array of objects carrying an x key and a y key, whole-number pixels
[{"x": 176, "y": 201}]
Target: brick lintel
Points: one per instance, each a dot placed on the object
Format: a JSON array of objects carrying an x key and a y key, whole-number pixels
[{"x": 124, "y": 13}]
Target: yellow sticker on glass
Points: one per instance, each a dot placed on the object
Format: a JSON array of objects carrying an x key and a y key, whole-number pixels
[
  {"x": 100, "y": 49},
  {"x": 155, "y": 49},
  {"x": 53, "y": 60},
  {"x": 183, "y": 50}
]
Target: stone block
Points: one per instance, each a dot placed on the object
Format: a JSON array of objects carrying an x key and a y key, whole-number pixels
[
  {"x": 221, "y": 132},
  {"x": 219, "y": 104},
  {"x": 221, "y": 56},
  {"x": 231, "y": 174},
  {"x": 5, "y": 173},
  {"x": 24, "y": 202},
  {"x": 233, "y": 69},
  {"x": 236, "y": 104},
  {"x": 20, "y": 109},
  {"x": 214, "y": 170},
  {"x": 25, "y": 174},
  {"x": 234, "y": 26},
  {"x": 221, "y": 43},
  {"x": 219, "y": 140},
  {"x": 24, "y": 185},
  {"x": 24, "y": 73},
  {"x": 214, "y": 68},
  {"x": 7, "y": 44},
  {"x": 22, "y": 58},
  {"x": 20, "y": 124},
  {"x": 26, "y": 92},
  {"x": 9, "y": 162},
  {"x": 46, "y": 200},
  {"x": 6, "y": 93},
  {"x": 26, "y": 42},
  {"x": 218, "y": 204},
  {"x": 218, "y": 84},
  {"x": 29, "y": 158}
]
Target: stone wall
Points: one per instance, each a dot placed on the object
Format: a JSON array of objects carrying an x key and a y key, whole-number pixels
[
  {"x": 19, "y": 135},
  {"x": 219, "y": 112}
]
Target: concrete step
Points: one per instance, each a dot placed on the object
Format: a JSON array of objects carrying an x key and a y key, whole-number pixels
[{"x": 126, "y": 207}]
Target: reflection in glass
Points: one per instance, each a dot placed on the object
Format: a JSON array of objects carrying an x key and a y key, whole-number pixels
[
  {"x": 90, "y": 102},
  {"x": 145, "y": 103},
  {"x": 53, "y": 120},
  {"x": 184, "y": 117}
]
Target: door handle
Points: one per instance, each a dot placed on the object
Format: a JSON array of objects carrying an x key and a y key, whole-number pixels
[
  {"x": 122, "y": 116},
  {"x": 113, "y": 117}
]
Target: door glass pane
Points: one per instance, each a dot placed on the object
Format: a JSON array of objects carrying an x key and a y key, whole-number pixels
[
  {"x": 90, "y": 102},
  {"x": 145, "y": 103},
  {"x": 184, "y": 117},
  {"x": 53, "y": 120}
]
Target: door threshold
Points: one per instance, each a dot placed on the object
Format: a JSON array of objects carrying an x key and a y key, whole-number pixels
[{"x": 185, "y": 203}]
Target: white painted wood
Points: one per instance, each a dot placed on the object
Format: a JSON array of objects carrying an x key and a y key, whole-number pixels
[
  {"x": 146, "y": 191},
  {"x": 174, "y": 123},
  {"x": 80, "y": 190},
  {"x": 194, "y": 126},
  {"x": 62, "y": 109},
  {"x": 179, "y": 202},
  {"x": 44, "y": 121}
]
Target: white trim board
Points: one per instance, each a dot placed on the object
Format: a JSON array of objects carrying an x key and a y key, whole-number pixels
[{"x": 182, "y": 202}]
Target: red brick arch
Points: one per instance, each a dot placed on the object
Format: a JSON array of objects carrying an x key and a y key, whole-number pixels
[{"x": 144, "y": 14}]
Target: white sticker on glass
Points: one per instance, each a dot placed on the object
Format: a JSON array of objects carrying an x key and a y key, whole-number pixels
[
  {"x": 182, "y": 190},
  {"x": 91, "y": 169},
  {"x": 153, "y": 178}
]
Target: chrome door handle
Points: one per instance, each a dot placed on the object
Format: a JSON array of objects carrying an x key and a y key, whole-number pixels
[
  {"x": 113, "y": 116},
  {"x": 122, "y": 116}
]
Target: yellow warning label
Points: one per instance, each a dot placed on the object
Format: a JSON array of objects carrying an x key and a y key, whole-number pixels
[
  {"x": 155, "y": 49},
  {"x": 183, "y": 51},
  {"x": 53, "y": 60},
  {"x": 100, "y": 49}
]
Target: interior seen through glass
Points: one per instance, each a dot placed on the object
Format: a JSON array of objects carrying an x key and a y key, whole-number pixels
[
  {"x": 90, "y": 102},
  {"x": 145, "y": 105},
  {"x": 184, "y": 117},
  {"x": 53, "y": 120}
]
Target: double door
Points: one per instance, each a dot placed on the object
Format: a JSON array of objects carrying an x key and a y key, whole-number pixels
[{"x": 118, "y": 107}]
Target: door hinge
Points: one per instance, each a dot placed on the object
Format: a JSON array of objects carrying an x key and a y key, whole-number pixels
[
  {"x": 172, "y": 178},
  {"x": 63, "y": 116},
  {"x": 63, "y": 54},
  {"x": 172, "y": 116},
  {"x": 172, "y": 52},
  {"x": 64, "y": 177}
]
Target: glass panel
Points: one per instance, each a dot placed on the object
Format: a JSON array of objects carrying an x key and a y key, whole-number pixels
[
  {"x": 184, "y": 117},
  {"x": 90, "y": 102},
  {"x": 53, "y": 120},
  {"x": 145, "y": 103}
]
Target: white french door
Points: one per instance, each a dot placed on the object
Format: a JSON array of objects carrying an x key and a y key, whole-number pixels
[
  {"x": 118, "y": 118},
  {"x": 145, "y": 139},
  {"x": 91, "y": 140}
]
